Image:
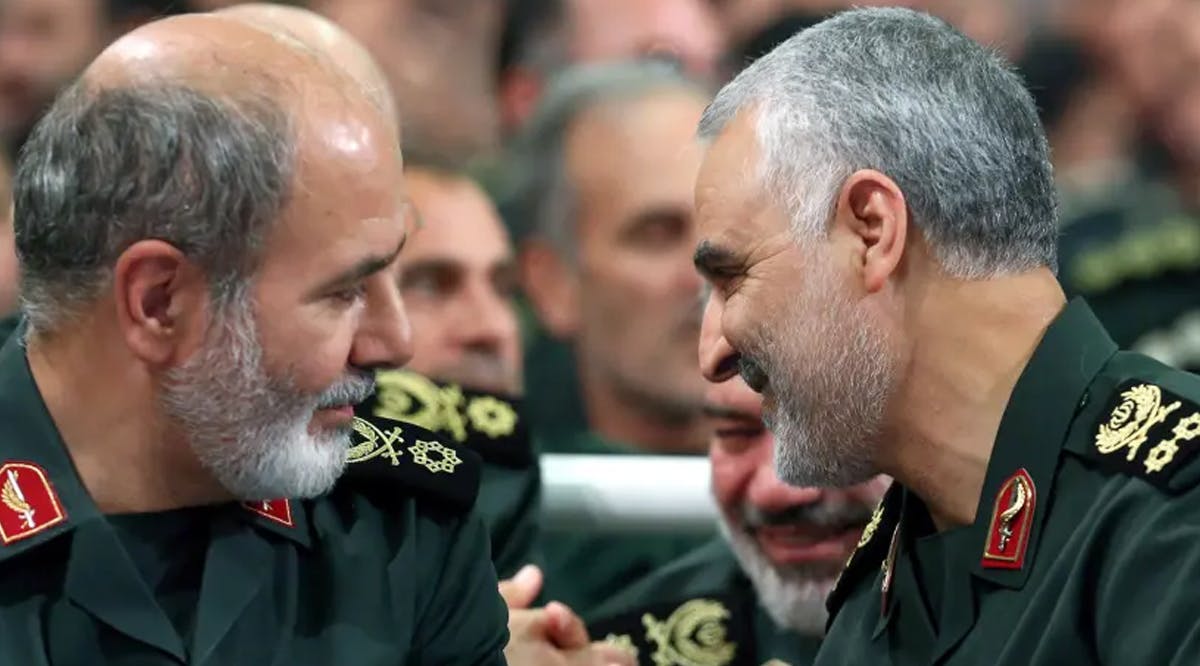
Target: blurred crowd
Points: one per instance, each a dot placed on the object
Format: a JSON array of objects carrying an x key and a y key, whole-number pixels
[{"x": 550, "y": 159}]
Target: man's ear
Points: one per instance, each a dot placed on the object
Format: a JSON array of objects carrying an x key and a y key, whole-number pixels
[
  {"x": 872, "y": 213},
  {"x": 552, "y": 287},
  {"x": 162, "y": 301}
]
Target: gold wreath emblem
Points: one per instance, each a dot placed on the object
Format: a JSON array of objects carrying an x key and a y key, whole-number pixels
[
  {"x": 694, "y": 635},
  {"x": 370, "y": 442},
  {"x": 445, "y": 461},
  {"x": 412, "y": 398},
  {"x": 493, "y": 417},
  {"x": 868, "y": 532},
  {"x": 1130, "y": 422}
]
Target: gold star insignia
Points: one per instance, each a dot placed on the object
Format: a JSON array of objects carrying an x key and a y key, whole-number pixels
[
  {"x": 494, "y": 418},
  {"x": 444, "y": 459}
]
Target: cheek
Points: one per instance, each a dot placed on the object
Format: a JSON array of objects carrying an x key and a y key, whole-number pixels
[
  {"x": 730, "y": 477},
  {"x": 310, "y": 347}
]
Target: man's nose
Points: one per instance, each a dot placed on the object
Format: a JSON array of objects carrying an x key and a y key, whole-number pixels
[
  {"x": 718, "y": 359},
  {"x": 384, "y": 338}
]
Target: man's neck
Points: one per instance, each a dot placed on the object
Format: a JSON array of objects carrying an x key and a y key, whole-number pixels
[
  {"x": 116, "y": 438},
  {"x": 615, "y": 418},
  {"x": 973, "y": 340}
]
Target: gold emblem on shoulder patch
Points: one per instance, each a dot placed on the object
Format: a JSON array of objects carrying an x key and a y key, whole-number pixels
[
  {"x": 1163, "y": 454},
  {"x": 694, "y": 635},
  {"x": 1130, "y": 422},
  {"x": 443, "y": 460},
  {"x": 494, "y": 418},
  {"x": 372, "y": 442}
]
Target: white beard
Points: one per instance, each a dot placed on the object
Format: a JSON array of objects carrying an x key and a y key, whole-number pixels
[{"x": 793, "y": 600}]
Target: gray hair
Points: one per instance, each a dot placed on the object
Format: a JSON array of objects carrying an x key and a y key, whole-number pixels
[
  {"x": 108, "y": 167},
  {"x": 545, "y": 198},
  {"x": 904, "y": 93}
]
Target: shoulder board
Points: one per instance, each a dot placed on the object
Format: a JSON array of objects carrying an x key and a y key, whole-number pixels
[
  {"x": 489, "y": 424},
  {"x": 403, "y": 460},
  {"x": 871, "y": 552},
  {"x": 1148, "y": 431},
  {"x": 714, "y": 630}
]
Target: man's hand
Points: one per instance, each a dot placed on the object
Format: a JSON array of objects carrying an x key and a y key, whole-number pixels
[{"x": 553, "y": 635}]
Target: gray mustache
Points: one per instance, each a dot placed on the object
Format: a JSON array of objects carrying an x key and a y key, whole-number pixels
[{"x": 351, "y": 390}]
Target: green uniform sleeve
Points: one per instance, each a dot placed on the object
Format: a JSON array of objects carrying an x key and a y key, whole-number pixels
[
  {"x": 463, "y": 621},
  {"x": 1147, "y": 600}
]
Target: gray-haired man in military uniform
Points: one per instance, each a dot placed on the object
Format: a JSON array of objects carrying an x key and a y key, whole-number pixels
[
  {"x": 205, "y": 223},
  {"x": 877, "y": 219}
]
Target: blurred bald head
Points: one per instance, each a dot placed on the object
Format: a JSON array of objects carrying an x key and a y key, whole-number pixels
[{"x": 322, "y": 35}]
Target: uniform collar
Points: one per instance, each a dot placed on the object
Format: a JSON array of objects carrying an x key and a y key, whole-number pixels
[
  {"x": 35, "y": 471},
  {"x": 1045, "y": 401}
]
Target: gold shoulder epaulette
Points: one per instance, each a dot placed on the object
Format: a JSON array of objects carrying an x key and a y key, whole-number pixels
[
  {"x": 1148, "y": 432},
  {"x": 489, "y": 424},
  {"x": 401, "y": 459}
]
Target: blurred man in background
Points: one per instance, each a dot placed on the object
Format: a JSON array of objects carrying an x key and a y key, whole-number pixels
[
  {"x": 605, "y": 259},
  {"x": 44, "y": 44},
  {"x": 542, "y": 37},
  {"x": 605, "y": 262},
  {"x": 765, "y": 581}
]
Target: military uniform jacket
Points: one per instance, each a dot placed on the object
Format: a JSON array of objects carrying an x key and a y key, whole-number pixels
[
  {"x": 700, "y": 610},
  {"x": 1086, "y": 543},
  {"x": 388, "y": 569}
]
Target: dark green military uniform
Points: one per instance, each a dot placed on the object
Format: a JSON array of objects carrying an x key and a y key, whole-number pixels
[
  {"x": 495, "y": 428},
  {"x": 391, "y": 568},
  {"x": 699, "y": 610},
  {"x": 8, "y": 324},
  {"x": 1086, "y": 543}
]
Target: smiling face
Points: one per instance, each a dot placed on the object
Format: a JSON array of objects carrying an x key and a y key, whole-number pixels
[
  {"x": 790, "y": 322},
  {"x": 267, "y": 401}
]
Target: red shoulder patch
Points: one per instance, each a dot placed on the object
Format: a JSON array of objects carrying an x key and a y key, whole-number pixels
[
  {"x": 1012, "y": 518},
  {"x": 28, "y": 503}
]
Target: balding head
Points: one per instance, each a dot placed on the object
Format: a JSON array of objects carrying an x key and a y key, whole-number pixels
[
  {"x": 211, "y": 122},
  {"x": 324, "y": 36}
]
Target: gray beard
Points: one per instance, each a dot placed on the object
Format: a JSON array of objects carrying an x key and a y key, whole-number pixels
[
  {"x": 794, "y": 599},
  {"x": 248, "y": 429},
  {"x": 830, "y": 376}
]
